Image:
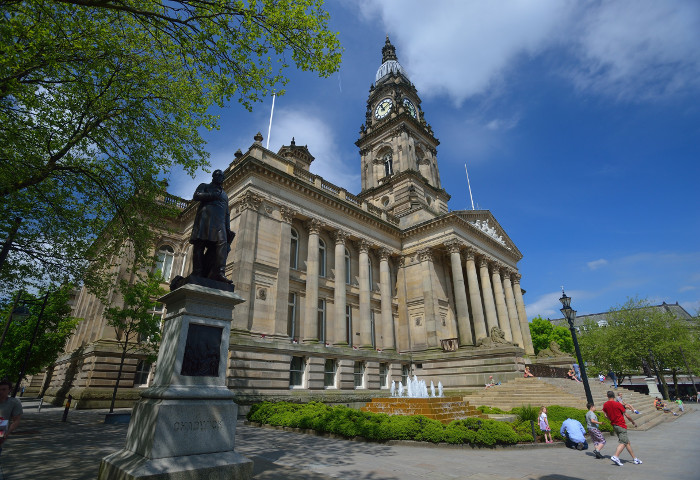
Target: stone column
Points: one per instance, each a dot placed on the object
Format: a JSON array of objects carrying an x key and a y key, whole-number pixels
[
  {"x": 335, "y": 334},
  {"x": 310, "y": 328},
  {"x": 512, "y": 310},
  {"x": 365, "y": 315},
  {"x": 385, "y": 330},
  {"x": 503, "y": 320},
  {"x": 461, "y": 305},
  {"x": 522, "y": 316},
  {"x": 281, "y": 309},
  {"x": 475, "y": 297},
  {"x": 244, "y": 258},
  {"x": 429, "y": 297},
  {"x": 487, "y": 294}
]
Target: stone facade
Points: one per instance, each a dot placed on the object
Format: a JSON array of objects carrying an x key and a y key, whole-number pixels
[{"x": 345, "y": 293}]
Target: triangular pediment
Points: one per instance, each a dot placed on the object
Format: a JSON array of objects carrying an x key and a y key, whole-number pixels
[{"x": 484, "y": 222}]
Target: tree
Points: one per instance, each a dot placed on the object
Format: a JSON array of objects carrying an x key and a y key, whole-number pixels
[
  {"x": 137, "y": 328},
  {"x": 543, "y": 333},
  {"x": 99, "y": 99},
  {"x": 637, "y": 333},
  {"x": 56, "y": 327}
]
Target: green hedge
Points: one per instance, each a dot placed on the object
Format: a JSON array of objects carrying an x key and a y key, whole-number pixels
[{"x": 350, "y": 423}]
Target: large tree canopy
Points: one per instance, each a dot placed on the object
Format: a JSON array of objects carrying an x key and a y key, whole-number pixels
[
  {"x": 543, "y": 333},
  {"x": 100, "y": 98}
]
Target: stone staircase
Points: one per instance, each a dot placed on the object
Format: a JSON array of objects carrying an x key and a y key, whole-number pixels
[{"x": 567, "y": 393}]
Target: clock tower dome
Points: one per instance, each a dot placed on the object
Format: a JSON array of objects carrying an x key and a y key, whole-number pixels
[{"x": 398, "y": 148}]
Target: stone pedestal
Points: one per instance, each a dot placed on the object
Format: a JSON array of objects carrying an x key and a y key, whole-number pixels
[
  {"x": 184, "y": 426},
  {"x": 653, "y": 387}
]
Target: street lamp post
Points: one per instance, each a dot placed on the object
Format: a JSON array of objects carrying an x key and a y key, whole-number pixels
[
  {"x": 31, "y": 344},
  {"x": 570, "y": 316}
]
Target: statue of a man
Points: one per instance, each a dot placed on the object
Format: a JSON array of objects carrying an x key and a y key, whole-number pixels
[{"x": 211, "y": 233}]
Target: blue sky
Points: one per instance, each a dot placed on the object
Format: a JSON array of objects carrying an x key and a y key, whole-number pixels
[{"x": 579, "y": 123}]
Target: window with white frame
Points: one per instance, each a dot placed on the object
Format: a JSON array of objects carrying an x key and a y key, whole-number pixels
[
  {"x": 164, "y": 261},
  {"x": 405, "y": 373},
  {"x": 296, "y": 372},
  {"x": 143, "y": 368},
  {"x": 322, "y": 320},
  {"x": 359, "y": 374},
  {"x": 348, "y": 324},
  {"x": 329, "y": 372},
  {"x": 294, "y": 250},
  {"x": 321, "y": 258},
  {"x": 292, "y": 315},
  {"x": 383, "y": 375},
  {"x": 348, "y": 274}
]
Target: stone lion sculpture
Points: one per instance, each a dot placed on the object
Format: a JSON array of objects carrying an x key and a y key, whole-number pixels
[
  {"x": 553, "y": 351},
  {"x": 497, "y": 337}
]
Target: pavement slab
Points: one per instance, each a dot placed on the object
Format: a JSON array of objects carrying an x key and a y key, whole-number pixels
[{"x": 46, "y": 448}]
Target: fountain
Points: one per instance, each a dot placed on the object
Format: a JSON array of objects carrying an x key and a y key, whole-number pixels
[{"x": 417, "y": 401}]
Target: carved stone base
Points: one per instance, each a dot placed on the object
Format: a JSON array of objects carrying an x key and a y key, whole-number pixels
[{"x": 179, "y": 281}]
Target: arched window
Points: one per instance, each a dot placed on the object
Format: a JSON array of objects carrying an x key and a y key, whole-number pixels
[
  {"x": 347, "y": 267},
  {"x": 294, "y": 249},
  {"x": 388, "y": 164},
  {"x": 321, "y": 258},
  {"x": 164, "y": 261}
]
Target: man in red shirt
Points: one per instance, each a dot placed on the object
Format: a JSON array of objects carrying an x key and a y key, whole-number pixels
[{"x": 616, "y": 413}]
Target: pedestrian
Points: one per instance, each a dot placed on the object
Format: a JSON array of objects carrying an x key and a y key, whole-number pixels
[
  {"x": 544, "y": 425},
  {"x": 573, "y": 434},
  {"x": 616, "y": 413},
  {"x": 628, "y": 406},
  {"x": 596, "y": 435},
  {"x": 577, "y": 371},
  {"x": 613, "y": 377},
  {"x": 680, "y": 404},
  {"x": 10, "y": 411}
]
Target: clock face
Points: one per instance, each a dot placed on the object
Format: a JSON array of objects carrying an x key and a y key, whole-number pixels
[
  {"x": 383, "y": 108},
  {"x": 410, "y": 107}
]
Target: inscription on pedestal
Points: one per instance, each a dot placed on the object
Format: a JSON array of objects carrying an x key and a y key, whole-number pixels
[{"x": 202, "y": 351}]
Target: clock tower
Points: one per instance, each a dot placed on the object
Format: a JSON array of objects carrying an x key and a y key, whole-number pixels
[{"x": 398, "y": 148}]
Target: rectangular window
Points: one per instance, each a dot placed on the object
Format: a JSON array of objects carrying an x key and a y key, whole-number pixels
[
  {"x": 359, "y": 374},
  {"x": 348, "y": 324},
  {"x": 296, "y": 372},
  {"x": 329, "y": 370},
  {"x": 371, "y": 326},
  {"x": 292, "y": 315},
  {"x": 142, "y": 370},
  {"x": 383, "y": 375},
  {"x": 322, "y": 321},
  {"x": 405, "y": 372}
]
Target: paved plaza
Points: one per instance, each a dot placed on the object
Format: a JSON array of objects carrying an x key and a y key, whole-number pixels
[{"x": 46, "y": 448}]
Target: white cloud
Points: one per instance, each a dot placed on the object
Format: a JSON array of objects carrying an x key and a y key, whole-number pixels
[
  {"x": 308, "y": 128},
  {"x": 628, "y": 49},
  {"x": 692, "y": 308},
  {"x": 596, "y": 264},
  {"x": 687, "y": 288}
]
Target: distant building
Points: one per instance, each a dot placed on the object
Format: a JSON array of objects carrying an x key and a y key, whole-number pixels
[
  {"x": 343, "y": 293},
  {"x": 601, "y": 318}
]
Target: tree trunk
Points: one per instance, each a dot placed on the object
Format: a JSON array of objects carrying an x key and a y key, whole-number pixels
[
  {"x": 674, "y": 372},
  {"x": 119, "y": 376}
]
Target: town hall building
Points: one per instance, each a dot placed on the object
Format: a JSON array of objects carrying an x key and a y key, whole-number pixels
[{"x": 344, "y": 293}]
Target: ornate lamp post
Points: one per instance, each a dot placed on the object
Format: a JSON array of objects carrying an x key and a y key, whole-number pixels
[{"x": 570, "y": 316}]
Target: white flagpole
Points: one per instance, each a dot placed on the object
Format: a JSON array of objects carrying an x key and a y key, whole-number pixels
[
  {"x": 269, "y": 128},
  {"x": 470, "y": 186}
]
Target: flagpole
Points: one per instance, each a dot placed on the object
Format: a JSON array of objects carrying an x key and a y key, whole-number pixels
[
  {"x": 269, "y": 128},
  {"x": 470, "y": 186}
]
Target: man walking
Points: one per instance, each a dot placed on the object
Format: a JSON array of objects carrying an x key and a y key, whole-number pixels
[{"x": 616, "y": 413}]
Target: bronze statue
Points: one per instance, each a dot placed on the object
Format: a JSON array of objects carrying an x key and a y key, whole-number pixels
[{"x": 211, "y": 233}]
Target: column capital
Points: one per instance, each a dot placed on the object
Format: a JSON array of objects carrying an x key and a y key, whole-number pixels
[
  {"x": 314, "y": 225},
  {"x": 484, "y": 262},
  {"x": 506, "y": 273},
  {"x": 425, "y": 254},
  {"x": 516, "y": 278},
  {"x": 250, "y": 201},
  {"x": 453, "y": 246},
  {"x": 470, "y": 253},
  {"x": 384, "y": 254},
  {"x": 402, "y": 260},
  {"x": 363, "y": 245},
  {"x": 340, "y": 237},
  {"x": 287, "y": 213}
]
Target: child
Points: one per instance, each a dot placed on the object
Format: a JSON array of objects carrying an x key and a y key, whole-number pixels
[
  {"x": 596, "y": 435},
  {"x": 544, "y": 425}
]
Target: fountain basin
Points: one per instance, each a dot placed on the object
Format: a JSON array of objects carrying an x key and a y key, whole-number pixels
[{"x": 443, "y": 409}]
